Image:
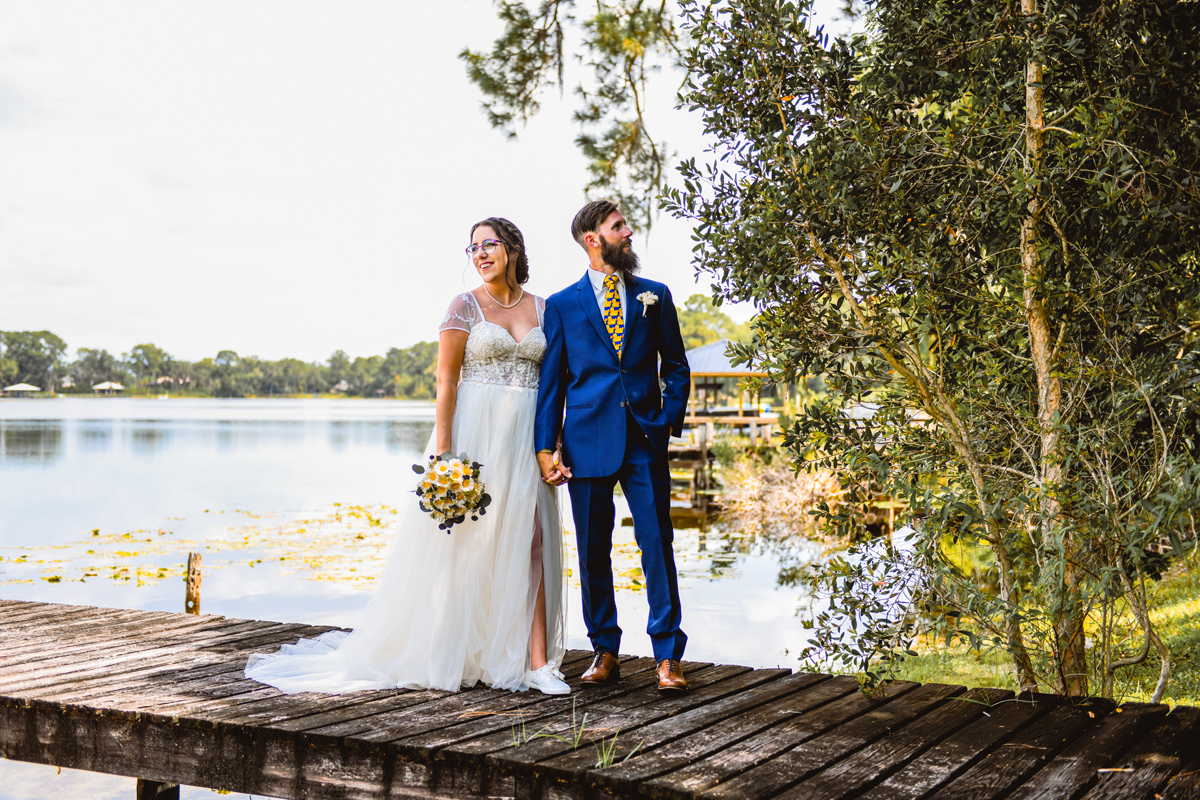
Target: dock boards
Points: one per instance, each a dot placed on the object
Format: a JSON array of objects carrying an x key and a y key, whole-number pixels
[{"x": 161, "y": 697}]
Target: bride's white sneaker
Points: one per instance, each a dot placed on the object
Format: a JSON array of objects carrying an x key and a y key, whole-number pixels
[{"x": 547, "y": 680}]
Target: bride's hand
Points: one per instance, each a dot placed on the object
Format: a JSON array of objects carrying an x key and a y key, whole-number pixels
[
  {"x": 548, "y": 466},
  {"x": 553, "y": 472}
]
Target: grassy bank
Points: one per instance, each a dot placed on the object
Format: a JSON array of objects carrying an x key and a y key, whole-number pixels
[{"x": 1175, "y": 604}]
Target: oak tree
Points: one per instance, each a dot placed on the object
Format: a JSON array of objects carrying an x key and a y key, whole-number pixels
[{"x": 979, "y": 222}]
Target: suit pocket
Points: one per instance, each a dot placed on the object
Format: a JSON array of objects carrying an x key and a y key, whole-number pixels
[{"x": 582, "y": 405}]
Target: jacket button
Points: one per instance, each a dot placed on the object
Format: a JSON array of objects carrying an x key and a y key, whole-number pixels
[{"x": 622, "y": 404}]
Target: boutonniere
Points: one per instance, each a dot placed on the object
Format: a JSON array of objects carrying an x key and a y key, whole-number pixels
[{"x": 648, "y": 299}]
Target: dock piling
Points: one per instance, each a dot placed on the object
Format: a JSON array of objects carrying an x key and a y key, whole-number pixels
[
  {"x": 153, "y": 790},
  {"x": 191, "y": 601}
]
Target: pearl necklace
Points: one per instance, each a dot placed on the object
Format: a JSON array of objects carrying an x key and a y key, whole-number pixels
[{"x": 520, "y": 297}]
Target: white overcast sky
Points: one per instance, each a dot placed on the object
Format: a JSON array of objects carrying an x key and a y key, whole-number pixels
[{"x": 275, "y": 177}]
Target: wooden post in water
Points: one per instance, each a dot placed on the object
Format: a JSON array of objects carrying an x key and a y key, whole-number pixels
[
  {"x": 191, "y": 601},
  {"x": 700, "y": 479},
  {"x": 153, "y": 790}
]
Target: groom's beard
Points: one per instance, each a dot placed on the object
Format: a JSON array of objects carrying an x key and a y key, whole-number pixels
[{"x": 620, "y": 258}]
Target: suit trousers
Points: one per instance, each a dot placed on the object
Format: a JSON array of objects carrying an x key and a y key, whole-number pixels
[{"x": 646, "y": 482}]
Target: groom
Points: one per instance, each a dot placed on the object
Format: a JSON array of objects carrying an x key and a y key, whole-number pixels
[{"x": 612, "y": 340}]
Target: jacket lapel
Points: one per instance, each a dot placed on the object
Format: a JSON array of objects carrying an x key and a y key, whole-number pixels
[
  {"x": 591, "y": 309},
  {"x": 633, "y": 308}
]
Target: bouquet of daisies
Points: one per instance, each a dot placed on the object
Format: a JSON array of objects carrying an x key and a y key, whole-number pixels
[{"x": 450, "y": 489}]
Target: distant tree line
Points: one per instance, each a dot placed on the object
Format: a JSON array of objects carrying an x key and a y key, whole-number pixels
[{"x": 39, "y": 358}]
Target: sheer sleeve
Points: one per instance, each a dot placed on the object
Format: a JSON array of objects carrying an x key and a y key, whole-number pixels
[
  {"x": 460, "y": 316},
  {"x": 541, "y": 311}
]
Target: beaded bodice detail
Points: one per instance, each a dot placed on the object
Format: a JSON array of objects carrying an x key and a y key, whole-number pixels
[{"x": 493, "y": 356}]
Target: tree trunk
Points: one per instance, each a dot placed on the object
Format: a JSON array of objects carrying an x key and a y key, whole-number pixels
[
  {"x": 1068, "y": 621},
  {"x": 1014, "y": 636}
]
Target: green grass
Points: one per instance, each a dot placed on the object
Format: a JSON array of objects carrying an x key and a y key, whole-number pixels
[
  {"x": 1175, "y": 604},
  {"x": 1175, "y": 613},
  {"x": 959, "y": 666}
]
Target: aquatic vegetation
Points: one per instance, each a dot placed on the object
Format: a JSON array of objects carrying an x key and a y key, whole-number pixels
[
  {"x": 344, "y": 543},
  {"x": 339, "y": 543}
]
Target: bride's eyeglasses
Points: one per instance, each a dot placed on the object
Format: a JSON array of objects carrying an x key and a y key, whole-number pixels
[{"x": 488, "y": 246}]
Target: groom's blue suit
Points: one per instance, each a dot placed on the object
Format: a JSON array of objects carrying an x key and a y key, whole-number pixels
[{"x": 616, "y": 429}]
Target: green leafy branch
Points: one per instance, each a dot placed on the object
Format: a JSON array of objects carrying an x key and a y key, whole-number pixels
[{"x": 622, "y": 43}]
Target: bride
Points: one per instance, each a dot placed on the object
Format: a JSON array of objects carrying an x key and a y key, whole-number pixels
[{"x": 483, "y": 602}]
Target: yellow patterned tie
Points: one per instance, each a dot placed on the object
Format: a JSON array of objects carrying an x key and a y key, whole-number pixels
[{"x": 612, "y": 312}]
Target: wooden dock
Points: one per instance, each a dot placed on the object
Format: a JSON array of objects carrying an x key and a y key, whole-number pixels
[{"x": 161, "y": 697}]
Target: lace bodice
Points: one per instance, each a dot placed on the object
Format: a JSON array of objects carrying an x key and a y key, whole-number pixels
[{"x": 492, "y": 355}]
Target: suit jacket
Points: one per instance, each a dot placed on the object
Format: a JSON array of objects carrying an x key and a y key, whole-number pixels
[{"x": 582, "y": 374}]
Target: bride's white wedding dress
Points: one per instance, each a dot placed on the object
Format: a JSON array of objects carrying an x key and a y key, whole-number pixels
[{"x": 456, "y": 608}]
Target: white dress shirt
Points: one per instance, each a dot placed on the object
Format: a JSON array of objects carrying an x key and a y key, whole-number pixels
[{"x": 597, "y": 278}]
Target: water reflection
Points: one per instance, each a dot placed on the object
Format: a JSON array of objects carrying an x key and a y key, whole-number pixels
[
  {"x": 33, "y": 443},
  {"x": 339, "y": 435},
  {"x": 149, "y": 439},
  {"x": 94, "y": 437},
  {"x": 401, "y": 438},
  {"x": 25, "y": 443},
  {"x": 785, "y": 545}
]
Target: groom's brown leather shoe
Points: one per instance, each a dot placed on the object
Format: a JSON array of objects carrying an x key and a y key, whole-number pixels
[
  {"x": 605, "y": 668},
  {"x": 670, "y": 676}
]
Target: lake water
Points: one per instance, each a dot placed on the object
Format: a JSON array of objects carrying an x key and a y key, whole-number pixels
[{"x": 291, "y": 504}]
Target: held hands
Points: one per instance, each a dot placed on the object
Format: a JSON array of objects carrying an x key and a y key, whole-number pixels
[{"x": 554, "y": 472}]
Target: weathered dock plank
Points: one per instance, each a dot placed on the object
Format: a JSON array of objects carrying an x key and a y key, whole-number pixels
[
  {"x": 847, "y": 777},
  {"x": 1024, "y": 753},
  {"x": 1070, "y": 772},
  {"x": 127, "y": 658},
  {"x": 564, "y": 759},
  {"x": 1170, "y": 752},
  {"x": 951, "y": 756},
  {"x": 710, "y": 728},
  {"x": 725, "y": 765},
  {"x": 772, "y": 777},
  {"x": 162, "y": 697}
]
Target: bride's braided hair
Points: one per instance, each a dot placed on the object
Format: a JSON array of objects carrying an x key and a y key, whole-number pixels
[{"x": 510, "y": 236}]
